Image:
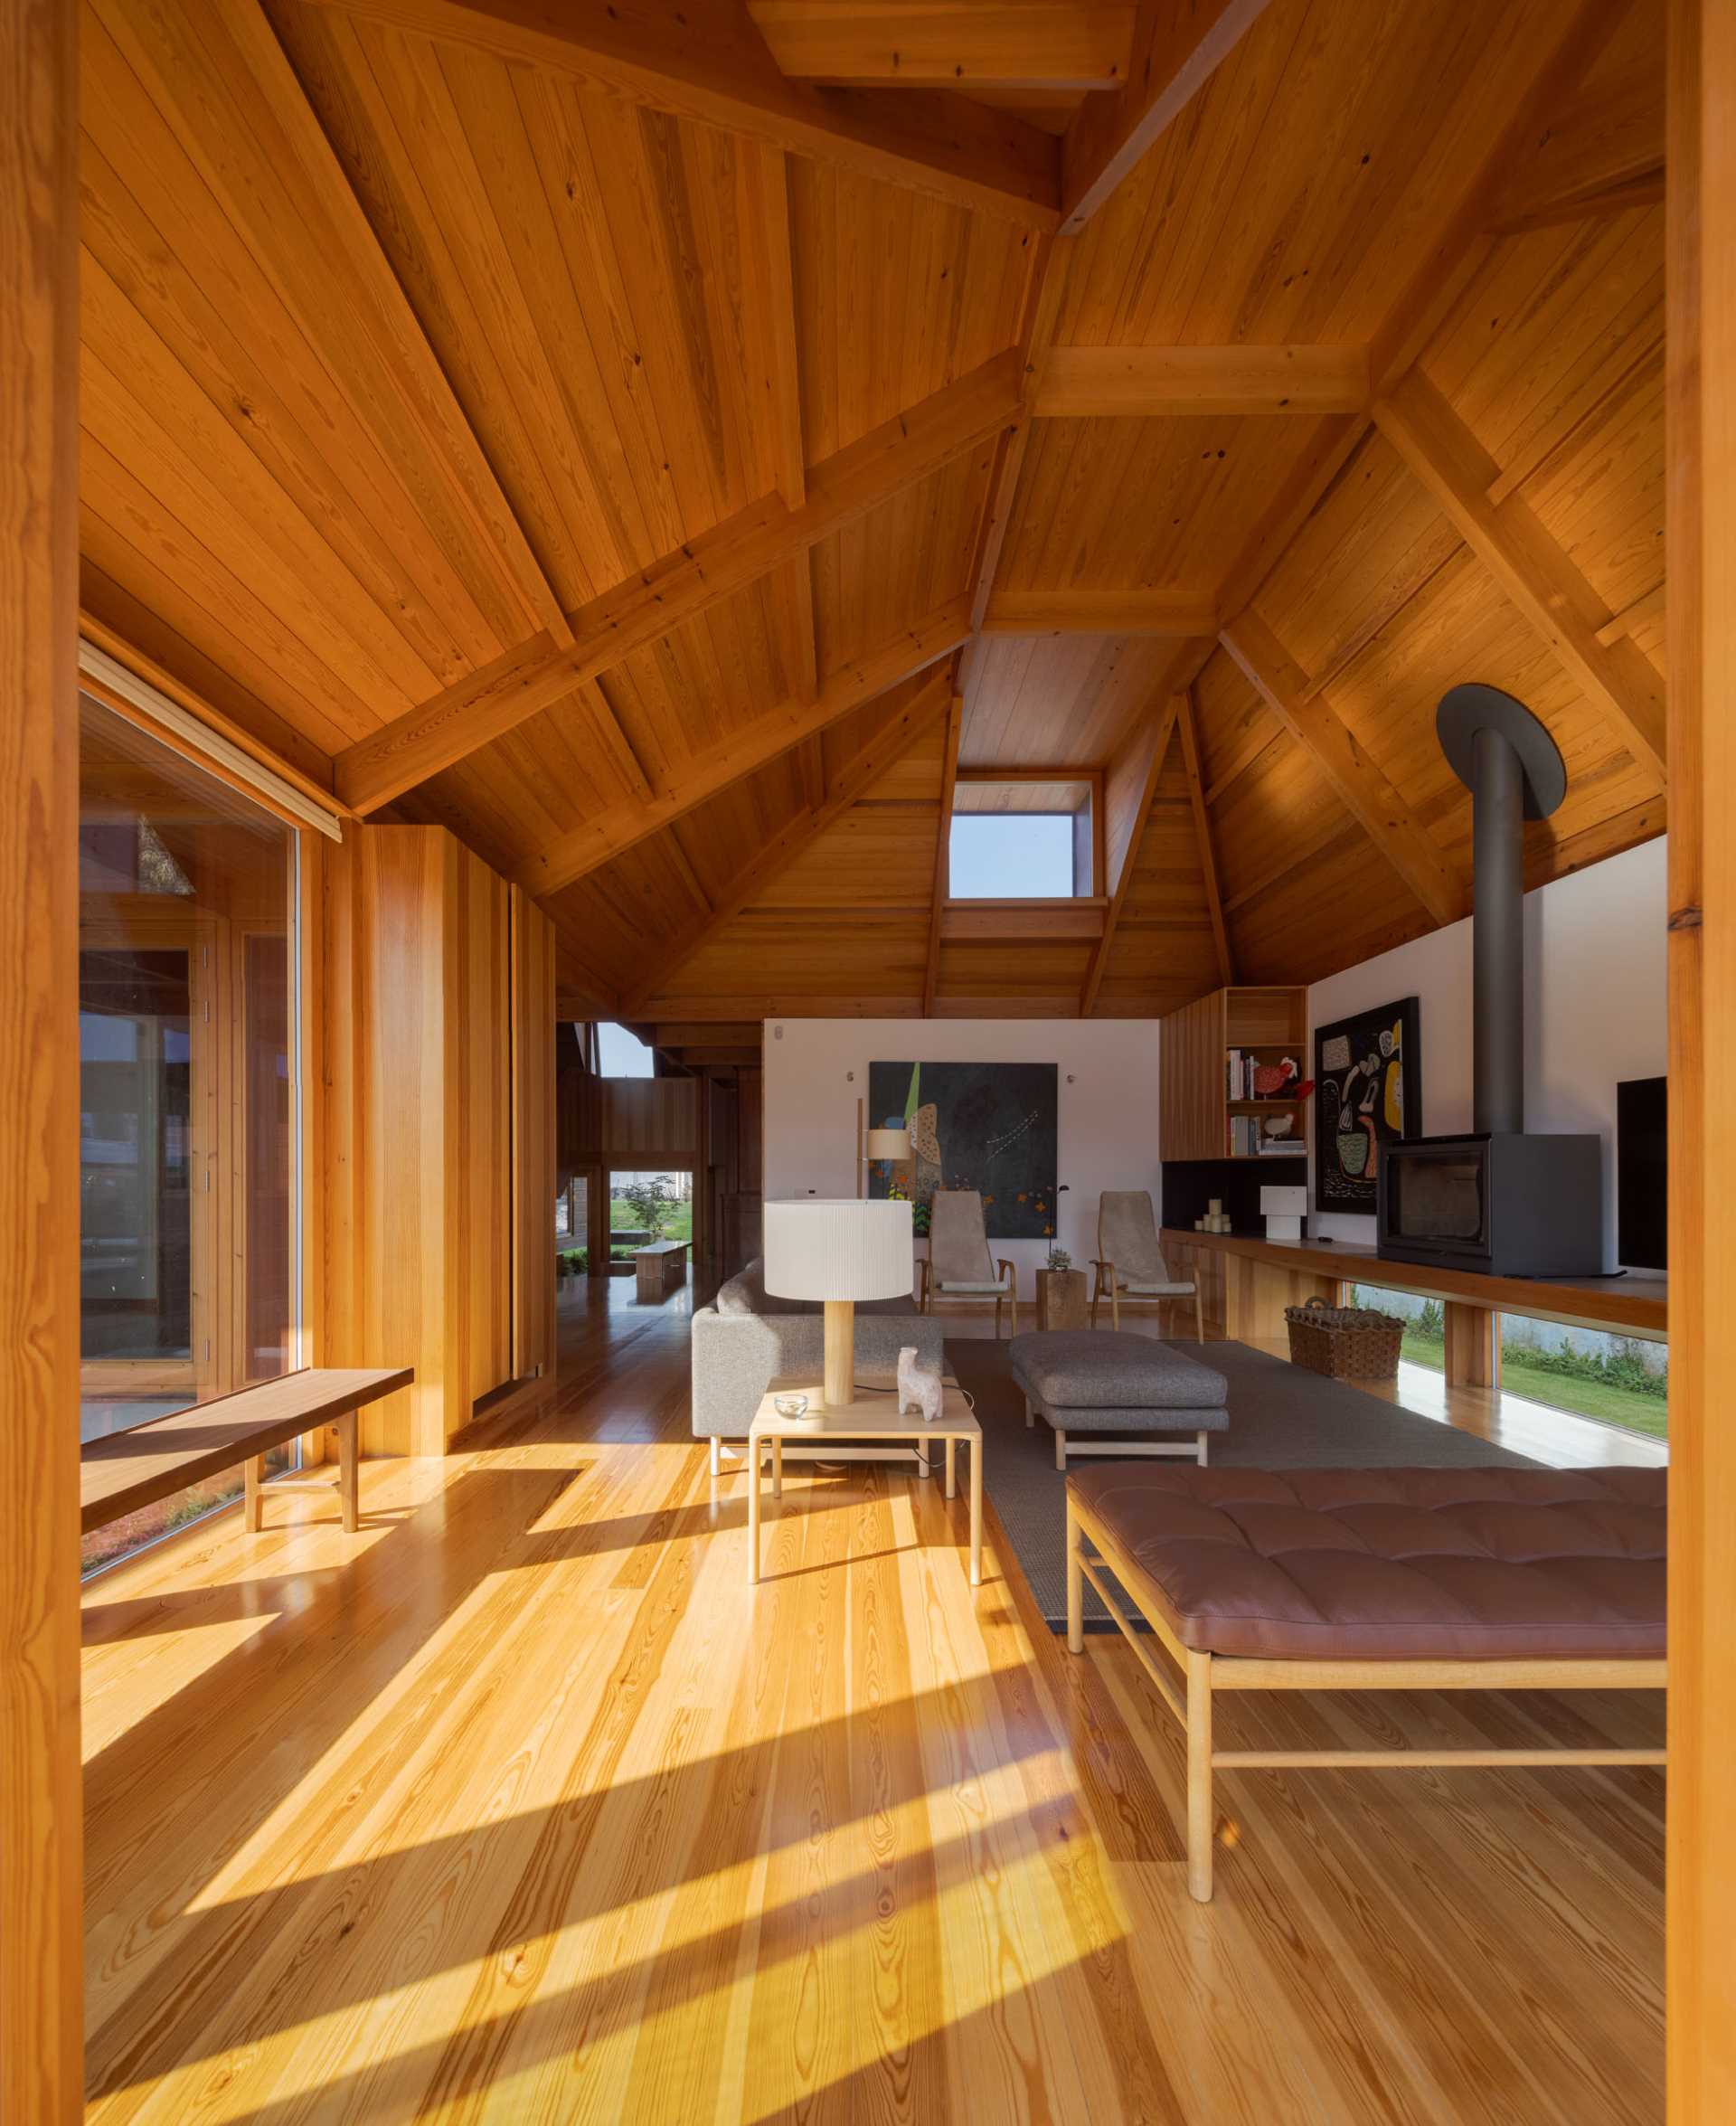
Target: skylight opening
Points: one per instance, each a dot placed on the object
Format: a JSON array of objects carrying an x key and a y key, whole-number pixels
[{"x": 1012, "y": 857}]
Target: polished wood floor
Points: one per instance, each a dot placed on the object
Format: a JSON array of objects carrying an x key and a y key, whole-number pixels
[{"x": 519, "y": 1806}]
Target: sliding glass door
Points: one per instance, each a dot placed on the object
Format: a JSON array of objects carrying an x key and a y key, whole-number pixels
[{"x": 186, "y": 1017}]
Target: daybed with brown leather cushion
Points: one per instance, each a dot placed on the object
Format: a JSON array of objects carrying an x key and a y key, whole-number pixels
[{"x": 1386, "y": 1579}]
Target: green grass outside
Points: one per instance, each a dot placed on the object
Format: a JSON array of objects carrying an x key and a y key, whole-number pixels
[
  {"x": 679, "y": 1224},
  {"x": 1605, "y": 1401}
]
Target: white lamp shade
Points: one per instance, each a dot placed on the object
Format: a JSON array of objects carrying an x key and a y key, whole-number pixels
[
  {"x": 889, "y": 1144},
  {"x": 828, "y": 1248}
]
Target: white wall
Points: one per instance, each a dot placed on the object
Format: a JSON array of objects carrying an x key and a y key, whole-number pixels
[
  {"x": 1107, "y": 1095},
  {"x": 1594, "y": 1003}
]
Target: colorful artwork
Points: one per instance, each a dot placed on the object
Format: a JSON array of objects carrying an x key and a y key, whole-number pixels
[
  {"x": 1368, "y": 1093},
  {"x": 990, "y": 1127}
]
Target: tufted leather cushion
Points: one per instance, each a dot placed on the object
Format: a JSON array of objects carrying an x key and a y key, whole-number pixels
[{"x": 1394, "y": 1564}]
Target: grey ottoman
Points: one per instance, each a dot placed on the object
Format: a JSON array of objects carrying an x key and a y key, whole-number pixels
[{"x": 1106, "y": 1380}]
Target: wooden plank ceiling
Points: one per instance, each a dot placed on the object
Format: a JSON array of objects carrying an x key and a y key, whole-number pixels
[{"x": 664, "y": 445}]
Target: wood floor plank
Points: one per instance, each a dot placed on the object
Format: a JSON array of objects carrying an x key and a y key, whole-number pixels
[{"x": 522, "y": 1804}]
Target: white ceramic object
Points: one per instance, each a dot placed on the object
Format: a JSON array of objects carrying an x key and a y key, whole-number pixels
[{"x": 919, "y": 1385}]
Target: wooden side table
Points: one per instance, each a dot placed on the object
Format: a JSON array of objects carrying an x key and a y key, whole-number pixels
[
  {"x": 868, "y": 1418},
  {"x": 1061, "y": 1299}
]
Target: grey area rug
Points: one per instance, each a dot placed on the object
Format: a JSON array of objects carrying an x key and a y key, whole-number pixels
[{"x": 1281, "y": 1416}]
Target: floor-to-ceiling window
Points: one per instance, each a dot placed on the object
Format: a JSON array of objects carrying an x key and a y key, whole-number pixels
[{"x": 186, "y": 1008}]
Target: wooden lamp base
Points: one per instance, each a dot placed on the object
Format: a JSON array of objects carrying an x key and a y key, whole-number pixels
[{"x": 840, "y": 1353}]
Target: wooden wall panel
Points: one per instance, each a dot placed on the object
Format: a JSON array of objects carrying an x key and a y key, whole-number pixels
[
  {"x": 418, "y": 1250},
  {"x": 41, "y": 1930},
  {"x": 1191, "y": 1082},
  {"x": 649, "y": 1122},
  {"x": 533, "y": 1137}
]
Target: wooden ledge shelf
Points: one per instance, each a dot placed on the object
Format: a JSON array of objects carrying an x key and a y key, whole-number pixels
[
  {"x": 1274, "y": 1273},
  {"x": 126, "y": 1470}
]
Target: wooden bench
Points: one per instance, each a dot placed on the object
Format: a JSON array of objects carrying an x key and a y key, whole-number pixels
[
  {"x": 1390, "y": 1579},
  {"x": 130, "y": 1470},
  {"x": 662, "y": 1270}
]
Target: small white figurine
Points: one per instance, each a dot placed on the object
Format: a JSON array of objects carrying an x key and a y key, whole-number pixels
[{"x": 919, "y": 1385}]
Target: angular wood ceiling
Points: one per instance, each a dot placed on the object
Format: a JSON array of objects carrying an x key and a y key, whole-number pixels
[{"x": 664, "y": 443}]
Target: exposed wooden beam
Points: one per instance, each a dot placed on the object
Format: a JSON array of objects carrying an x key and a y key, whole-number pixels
[
  {"x": 770, "y": 305},
  {"x": 1437, "y": 282},
  {"x": 1317, "y": 726},
  {"x": 1528, "y": 565},
  {"x": 1130, "y": 789},
  {"x": 751, "y": 747},
  {"x": 1025, "y": 922},
  {"x": 1203, "y": 835},
  {"x": 884, "y": 751},
  {"x": 1177, "y": 46},
  {"x": 1102, "y": 382},
  {"x": 942, "y": 852},
  {"x": 1649, "y": 606},
  {"x": 705, "y": 59},
  {"x": 1097, "y": 612},
  {"x": 1602, "y": 154},
  {"x": 680, "y": 586},
  {"x": 1445, "y": 269},
  {"x": 41, "y": 1825},
  {"x": 617, "y": 746},
  {"x": 951, "y": 44},
  {"x": 1045, "y": 275}
]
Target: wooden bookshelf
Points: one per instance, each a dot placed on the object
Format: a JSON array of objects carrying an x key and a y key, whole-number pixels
[{"x": 1194, "y": 1107}]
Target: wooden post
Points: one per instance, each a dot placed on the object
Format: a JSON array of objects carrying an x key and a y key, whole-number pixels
[
  {"x": 1473, "y": 1340},
  {"x": 1701, "y": 534},
  {"x": 41, "y": 1919}
]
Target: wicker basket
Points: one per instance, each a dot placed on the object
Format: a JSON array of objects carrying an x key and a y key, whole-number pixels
[{"x": 1344, "y": 1343}]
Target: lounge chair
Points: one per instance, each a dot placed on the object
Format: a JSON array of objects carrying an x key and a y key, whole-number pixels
[
  {"x": 1129, "y": 1261},
  {"x": 959, "y": 1265}
]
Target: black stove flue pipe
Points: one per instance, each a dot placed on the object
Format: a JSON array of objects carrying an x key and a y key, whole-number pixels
[{"x": 1513, "y": 771}]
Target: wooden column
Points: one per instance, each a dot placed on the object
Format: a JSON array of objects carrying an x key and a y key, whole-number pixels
[
  {"x": 42, "y": 1934},
  {"x": 1473, "y": 1345},
  {"x": 1701, "y": 534}
]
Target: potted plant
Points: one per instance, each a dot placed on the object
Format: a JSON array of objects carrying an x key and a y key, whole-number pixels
[{"x": 1061, "y": 1292}]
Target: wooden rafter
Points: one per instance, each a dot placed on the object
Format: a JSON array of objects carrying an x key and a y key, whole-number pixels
[
  {"x": 1617, "y": 679},
  {"x": 754, "y": 746},
  {"x": 705, "y": 59},
  {"x": 1175, "y": 52},
  {"x": 770, "y": 307},
  {"x": 1601, "y": 155},
  {"x": 951, "y": 43},
  {"x": 942, "y": 852},
  {"x": 1098, "y": 382},
  {"x": 884, "y": 751},
  {"x": 1185, "y": 720},
  {"x": 1097, "y": 612},
  {"x": 749, "y": 545},
  {"x": 1318, "y": 727},
  {"x": 1133, "y": 778}
]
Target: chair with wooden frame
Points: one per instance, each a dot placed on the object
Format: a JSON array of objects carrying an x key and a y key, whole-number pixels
[
  {"x": 1129, "y": 1259},
  {"x": 958, "y": 1265},
  {"x": 1189, "y": 1696}
]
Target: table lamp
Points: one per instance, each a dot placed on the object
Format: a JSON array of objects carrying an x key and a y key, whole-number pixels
[{"x": 838, "y": 1251}]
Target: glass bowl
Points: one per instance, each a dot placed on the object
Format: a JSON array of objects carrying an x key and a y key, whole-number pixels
[{"x": 790, "y": 1405}]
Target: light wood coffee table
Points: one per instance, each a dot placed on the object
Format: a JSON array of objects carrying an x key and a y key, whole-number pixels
[{"x": 868, "y": 1418}]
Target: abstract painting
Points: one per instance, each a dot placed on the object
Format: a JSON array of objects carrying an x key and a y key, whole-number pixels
[
  {"x": 990, "y": 1127},
  {"x": 1368, "y": 1092}
]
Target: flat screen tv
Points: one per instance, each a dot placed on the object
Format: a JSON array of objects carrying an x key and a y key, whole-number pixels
[{"x": 1642, "y": 1166}]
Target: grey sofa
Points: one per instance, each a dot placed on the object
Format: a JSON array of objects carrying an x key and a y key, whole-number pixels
[{"x": 746, "y": 1337}]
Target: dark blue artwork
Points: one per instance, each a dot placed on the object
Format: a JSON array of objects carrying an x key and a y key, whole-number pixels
[{"x": 990, "y": 1127}]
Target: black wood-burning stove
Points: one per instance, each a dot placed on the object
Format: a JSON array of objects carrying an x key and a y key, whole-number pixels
[{"x": 1499, "y": 1200}]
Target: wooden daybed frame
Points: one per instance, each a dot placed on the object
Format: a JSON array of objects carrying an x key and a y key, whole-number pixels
[{"x": 1203, "y": 1674}]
